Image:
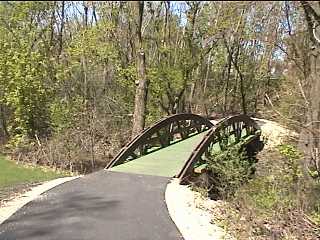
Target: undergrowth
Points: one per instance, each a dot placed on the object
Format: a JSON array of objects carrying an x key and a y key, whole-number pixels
[
  {"x": 228, "y": 171},
  {"x": 278, "y": 202}
]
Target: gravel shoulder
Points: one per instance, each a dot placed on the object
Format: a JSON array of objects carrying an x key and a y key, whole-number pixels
[
  {"x": 192, "y": 213},
  {"x": 274, "y": 132}
]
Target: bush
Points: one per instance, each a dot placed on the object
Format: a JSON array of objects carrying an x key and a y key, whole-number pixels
[
  {"x": 228, "y": 170},
  {"x": 291, "y": 160},
  {"x": 278, "y": 203},
  {"x": 81, "y": 148}
]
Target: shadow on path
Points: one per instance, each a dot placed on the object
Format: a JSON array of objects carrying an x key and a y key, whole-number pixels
[{"x": 103, "y": 205}]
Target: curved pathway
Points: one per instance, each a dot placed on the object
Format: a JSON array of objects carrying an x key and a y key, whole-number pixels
[
  {"x": 126, "y": 202},
  {"x": 103, "y": 205}
]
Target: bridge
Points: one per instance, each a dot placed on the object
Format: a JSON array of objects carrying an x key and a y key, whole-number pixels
[
  {"x": 175, "y": 145},
  {"x": 126, "y": 200}
]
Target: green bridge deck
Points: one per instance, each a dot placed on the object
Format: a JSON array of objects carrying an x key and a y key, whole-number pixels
[{"x": 165, "y": 162}]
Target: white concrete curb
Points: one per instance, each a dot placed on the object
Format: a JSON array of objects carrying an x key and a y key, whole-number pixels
[{"x": 193, "y": 222}]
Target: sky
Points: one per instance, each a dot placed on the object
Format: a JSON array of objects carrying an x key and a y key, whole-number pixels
[{"x": 76, "y": 9}]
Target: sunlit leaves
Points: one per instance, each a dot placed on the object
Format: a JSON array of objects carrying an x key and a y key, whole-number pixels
[{"x": 24, "y": 66}]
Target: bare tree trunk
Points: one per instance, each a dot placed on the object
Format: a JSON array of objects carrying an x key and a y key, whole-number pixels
[
  {"x": 205, "y": 84},
  {"x": 3, "y": 123},
  {"x": 142, "y": 83},
  {"x": 242, "y": 91},
  {"x": 94, "y": 14},
  {"x": 309, "y": 136},
  {"x": 234, "y": 100},
  {"x": 241, "y": 77},
  {"x": 61, "y": 28},
  {"x": 52, "y": 21},
  {"x": 192, "y": 89},
  {"x": 85, "y": 8},
  {"x": 225, "y": 100}
]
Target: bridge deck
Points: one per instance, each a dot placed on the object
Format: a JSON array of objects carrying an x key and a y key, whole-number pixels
[
  {"x": 165, "y": 162},
  {"x": 168, "y": 161}
]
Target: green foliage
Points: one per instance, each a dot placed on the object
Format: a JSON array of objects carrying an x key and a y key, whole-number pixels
[
  {"x": 268, "y": 194},
  {"x": 163, "y": 76},
  {"x": 17, "y": 141},
  {"x": 289, "y": 151},
  {"x": 27, "y": 93},
  {"x": 24, "y": 69},
  {"x": 274, "y": 201},
  {"x": 186, "y": 58},
  {"x": 277, "y": 190},
  {"x": 315, "y": 214},
  {"x": 312, "y": 196},
  {"x": 228, "y": 171},
  {"x": 63, "y": 114},
  {"x": 91, "y": 45},
  {"x": 125, "y": 79},
  {"x": 265, "y": 199},
  {"x": 292, "y": 157},
  {"x": 59, "y": 77},
  {"x": 166, "y": 82}
]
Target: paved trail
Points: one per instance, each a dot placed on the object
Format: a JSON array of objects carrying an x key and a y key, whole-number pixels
[
  {"x": 103, "y": 205},
  {"x": 126, "y": 203}
]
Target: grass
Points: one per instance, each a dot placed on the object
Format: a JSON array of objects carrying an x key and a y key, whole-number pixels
[{"x": 13, "y": 176}]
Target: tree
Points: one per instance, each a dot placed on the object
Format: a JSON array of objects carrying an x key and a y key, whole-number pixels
[
  {"x": 70, "y": 68},
  {"x": 140, "y": 102},
  {"x": 309, "y": 135}
]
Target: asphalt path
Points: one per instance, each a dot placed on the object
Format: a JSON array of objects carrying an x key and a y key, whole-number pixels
[{"x": 103, "y": 205}]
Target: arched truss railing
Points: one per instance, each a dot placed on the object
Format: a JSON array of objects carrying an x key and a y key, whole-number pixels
[
  {"x": 239, "y": 128},
  {"x": 162, "y": 134}
]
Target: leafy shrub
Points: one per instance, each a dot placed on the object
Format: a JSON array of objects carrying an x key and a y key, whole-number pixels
[
  {"x": 292, "y": 156},
  {"x": 313, "y": 204},
  {"x": 267, "y": 195},
  {"x": 228, "y": 170},
  {"x": 279, "y": 202}
]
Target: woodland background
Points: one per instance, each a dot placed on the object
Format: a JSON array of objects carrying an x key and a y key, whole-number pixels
[{"x": 77, "y": 79}]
